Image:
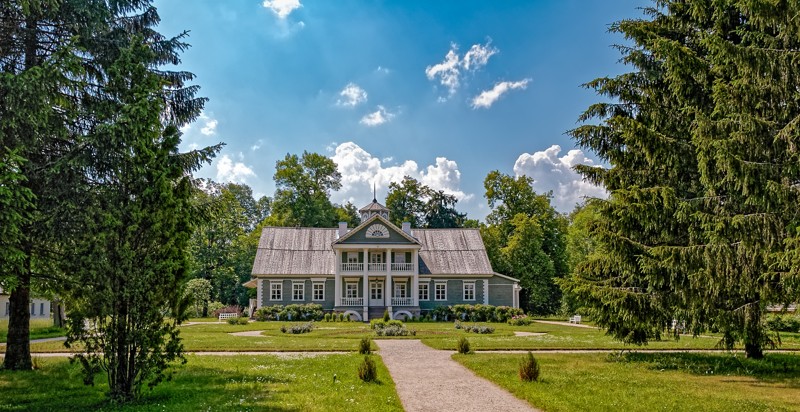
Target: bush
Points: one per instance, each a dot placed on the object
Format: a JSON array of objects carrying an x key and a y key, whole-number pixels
[
  {"x": 463, "y": 346},
  {"x": 365, "y": 346},
  {"x": 214, "y": 307},
  {"x": 482, "y": 329},
  {"x": 227, "y": 309},
  {"x": 386, "y": 316},
  {"x": 245, "y": 314},
  {"x": 786, "y": 323},
  {"x": 457, "y": 324},
  {"x": 520, "y": 320},
  {"x": 367, "y": 371},
  {"x": 529, "y": 369},
  {"x": 233, "y": 321},
  {"x": 243, "y": 320},
  {"x": 380, "y": 323},
  {"x": 298, "y": 328},
  {"x": 299, "y": 312},
  {"x": 475, "y": 313},
  {"x": 327, "y": 317},
  {"x": 394, "y": 330}
]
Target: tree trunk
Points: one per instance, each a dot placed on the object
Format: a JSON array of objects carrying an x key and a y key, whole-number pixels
[
  {"x": 18, "y": 348},
  {"x": 753, "y": 334}
]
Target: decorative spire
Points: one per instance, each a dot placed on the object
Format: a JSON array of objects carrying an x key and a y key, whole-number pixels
[{"x": 374, "y": 194}]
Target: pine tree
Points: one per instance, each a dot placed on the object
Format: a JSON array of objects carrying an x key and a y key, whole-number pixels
[{"x": 700, "y": 224}]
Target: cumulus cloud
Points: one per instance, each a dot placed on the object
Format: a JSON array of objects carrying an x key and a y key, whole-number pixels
[
  {"x": 553, "y": 173},
  {"x": 210, "y": 127},
  {"x": 282, "y": 8},
  {"x": 360, "y": 170},
  {"x": 487, "y": 98},
  {"x": 352, "y": 95},
  {"x": 230, "y": 171},
  {"x": 449, "y": 71},
  {"x": 257, "y": 145},
  {"x": 377, "y": 118}
]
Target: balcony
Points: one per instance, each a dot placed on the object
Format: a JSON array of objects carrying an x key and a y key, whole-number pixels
[
  {"x": 377, "y": 267},
  {"x": 402, "y": 267},
  {"x": 352, "y": 267},
  {"x": 353, "y": 301},
  {"x": 402, "y": 301}
]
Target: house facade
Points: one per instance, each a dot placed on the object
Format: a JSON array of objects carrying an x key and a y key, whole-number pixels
[
  {"x": 40, "y": 308},
  {"x": 377, "y": 266}
]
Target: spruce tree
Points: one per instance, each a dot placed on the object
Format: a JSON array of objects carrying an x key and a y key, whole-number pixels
[{"x": 700, "y": 223}]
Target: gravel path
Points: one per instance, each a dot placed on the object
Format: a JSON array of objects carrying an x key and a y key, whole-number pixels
[
  {"x": 428, "y": 380},
  {"x": 577, "y": 325}
]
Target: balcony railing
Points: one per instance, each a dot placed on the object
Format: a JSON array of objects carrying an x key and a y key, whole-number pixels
[
  {"x": 402, "y": 301},
  {"x": 352, "y": 301},
  {"x": 352, "y": 267},
  {"x": 402, "y": 267},
  {"x": 377, "y": 267}
]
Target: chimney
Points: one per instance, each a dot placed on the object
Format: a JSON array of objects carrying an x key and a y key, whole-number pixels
[
  {"x": 407, "y": 228},
  {"x": 342, "y": 228}
]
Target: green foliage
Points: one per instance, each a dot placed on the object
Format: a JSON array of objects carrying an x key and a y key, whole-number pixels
[
  {"x": 380, "y": 323},
  {"x": 525, "y": 239},
  {"x": 307, "y": 311},
  {"x": 413, "y": 202},
  {"x": 479, "y": 329},
  {"x": 386, "y": 316},
  {"x": 215, "y": 307},
  {"x": 298, "y": 328},
  {"x": 394, "y": 330},
  {"x": 199, "y": 290},
  {"x": 785, "y": 323},
  {"x": 462, "y": 346},
  {"x": 367, "y": 371},
  {"x": 365, "y": 346},
  {"x": 233, "y": 321},
  {"x": 302, "y": 197},
  {"x": 529, "y": 369},
  {"x": 701, "y": 222},
  {"x": 327, "y": 317},
  {"x": 348, "y": 213},
  {"x": 475, "y": 313},
  {"x": 520, "y": 320}
]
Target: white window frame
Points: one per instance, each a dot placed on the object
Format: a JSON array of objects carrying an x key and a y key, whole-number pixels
[
  {"x": 424, "y": 291},
  {"x": 400, "y": 257},
  {"x": 347, "y": 289},
  {"x": 33, "y": 308},
  {"x": 376, "y": 257},
  {"x": 469, "y": 286},
  {"x": 400, "y": 290},
  {"x": 301, "y": 289},
  {"x": 352, "y": 257},
  {"x": 436, "y": 291},
  {"x": 41, "y": 308},
  {"x": 276, "y": 287},
  {"x": 318, "y": 287}
]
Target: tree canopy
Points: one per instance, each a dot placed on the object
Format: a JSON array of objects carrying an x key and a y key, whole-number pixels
[
  {"x": 416, "y": 203},
  {"x": 302, "y": 197}
]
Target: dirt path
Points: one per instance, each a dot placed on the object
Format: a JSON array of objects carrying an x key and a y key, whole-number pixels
[
  {"x": 577, "y": 325},
  {"x": 209, "y": 353},
  {"x": 42, "y": 340},
  {"x": 428, "y": 380}
]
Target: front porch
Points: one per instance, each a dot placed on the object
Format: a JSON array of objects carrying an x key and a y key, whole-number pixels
[{"x": 370, "y": 296}]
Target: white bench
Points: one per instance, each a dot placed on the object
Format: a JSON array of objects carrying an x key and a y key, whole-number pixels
[
  {"x": 575, "y": 319},
  {"x": 223, "y": 316}
]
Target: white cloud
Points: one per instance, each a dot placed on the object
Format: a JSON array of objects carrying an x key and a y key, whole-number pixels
[
  {"x": 450, "y": 70},
  {"x": 210, "y": 127},
  {"x": 553, "y": 173},
  {"x": 230, "y": 171},
  {"x": 352, "y": 95},
  {"x": 257, "y": 145},
  {"x": 282, "y": 8},
  {"x": 377, "y": 118},
  {"x": 360, "y": 170},
  {"x": 487, "y": 98},
  {"x": 382, "y": 70}
]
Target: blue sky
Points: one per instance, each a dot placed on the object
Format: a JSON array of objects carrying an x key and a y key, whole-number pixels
[{"x": 443, "y": 91}]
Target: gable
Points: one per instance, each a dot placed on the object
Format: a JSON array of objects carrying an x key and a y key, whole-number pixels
[{"x": 376, "y": 231}]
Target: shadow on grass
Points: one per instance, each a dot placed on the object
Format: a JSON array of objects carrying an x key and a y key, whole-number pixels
[{"x": 778, "y": 367}]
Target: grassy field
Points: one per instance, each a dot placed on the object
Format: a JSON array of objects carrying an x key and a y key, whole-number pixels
[
  {"x": 241, "y": 383},
  {"x": 649, "y": 381},
  {"x": 40, "y": 328},
  {"x": 336, "y": 336}
]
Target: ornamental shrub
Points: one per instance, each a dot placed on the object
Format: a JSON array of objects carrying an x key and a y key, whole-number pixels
[
  {"x": 243, "y": 320},
  {"x": 365, "y": 346},
  {"x": 482, "y": 329},
  {"x": 297, "y": 312},
  {"x": 520, "y": 320},
  {"x": 327, "y": 317},
  {"x": 213, "y": 307},
  {"x": 386, "y": 316},
  {"x": 367, "y": 371},
  {"x": 463, "y": 346},
  {"x": 529, "y": 369},
  {"x": 457, "y": 324},
  {"x": 233, "y": 321},
  {"x": 395, "y": 330},
  {"x": 298, "y": 328}
]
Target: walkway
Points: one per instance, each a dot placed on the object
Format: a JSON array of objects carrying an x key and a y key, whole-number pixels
[
  {"x": 42, "y": 340},
  {"x": 428, "y": 380}
]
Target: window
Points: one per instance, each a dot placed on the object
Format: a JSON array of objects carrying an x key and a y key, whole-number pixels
[
  {"x": 275, "y": 291},
  {"x": 41, "y": 308},
  {"x": 8, "y": 308},
  {"x": 352, "y": 290},
  {"x": 469, "y": 290},
  {"x": 423, "y": 291},
  {"x": 318, "y": 291},
  {"x": 400, "y": 290},
  {"x": 376, "y": 290},
  {"x": 376, "y": 257},
  {"x": 298, "y": 290},
  {"x": 441, "y": 291},
  {"x": 352, "y": 257},
  {"x": 400, "y": 257},
  {"x": 33, "y": 308}
]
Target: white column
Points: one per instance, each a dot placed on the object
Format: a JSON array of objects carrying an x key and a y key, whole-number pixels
[
  {"x": 415, "y": 289},
  {"x": 388, "y": 288},
  {"x": 337, "y": 280},
  {"x": 486, "y": 291},
  {"x": 366, "y": 284},
  {"x": 259, "y": 293}
]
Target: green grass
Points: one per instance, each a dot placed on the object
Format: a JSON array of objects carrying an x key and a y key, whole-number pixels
[
  {"x": 344, "y": 336},
  {"x": 40, "y": 328},
  {"x": 241, "y": 383},
  {"x": 648, "y": 381}
]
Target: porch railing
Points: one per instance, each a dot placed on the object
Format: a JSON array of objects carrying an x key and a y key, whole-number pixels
[
  {"x": 402, "y": 301},
  {"x": 377, "y": 267},
  {"x": 352, "y": 301},
  {"x": 352, "y": 267},
  {"x": 402, "y": 267}
]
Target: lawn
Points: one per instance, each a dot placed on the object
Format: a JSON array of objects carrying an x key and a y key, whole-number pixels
[
  {"x": 40, "y": 328},
  {"x": 344, "y": 336},
  {"x": 242, "y": 383},
  {"x": 648, "y": 381}
]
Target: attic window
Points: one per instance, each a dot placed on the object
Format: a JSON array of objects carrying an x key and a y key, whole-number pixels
[{"x": 377, "y": 231}]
